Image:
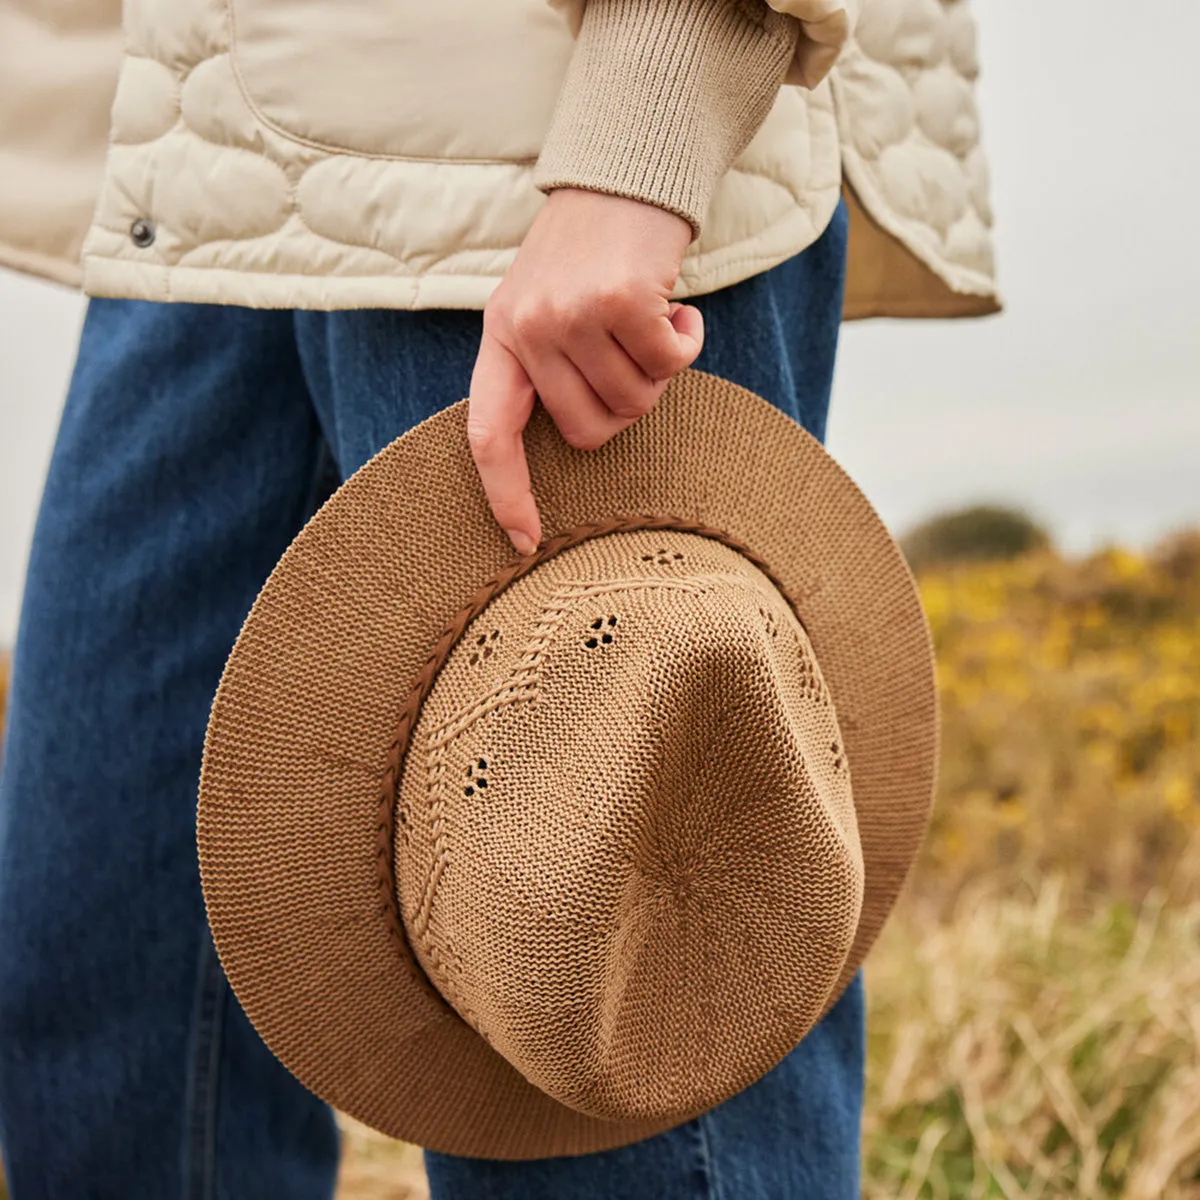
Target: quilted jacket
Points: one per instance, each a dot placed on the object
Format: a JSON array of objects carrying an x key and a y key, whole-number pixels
[{"x": 342, "y": 154}]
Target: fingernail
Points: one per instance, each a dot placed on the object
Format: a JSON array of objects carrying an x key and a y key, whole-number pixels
[{"x": 523, "y": 542}]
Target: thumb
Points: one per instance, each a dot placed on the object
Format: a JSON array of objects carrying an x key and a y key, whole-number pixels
[{"x": 688, "y": 323}]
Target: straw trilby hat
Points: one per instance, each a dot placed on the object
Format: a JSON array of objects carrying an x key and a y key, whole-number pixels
[{"x": 519, "y": 857}]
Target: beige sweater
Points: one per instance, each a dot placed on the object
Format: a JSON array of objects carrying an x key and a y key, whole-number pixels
[{"x": 662, "y": 95}]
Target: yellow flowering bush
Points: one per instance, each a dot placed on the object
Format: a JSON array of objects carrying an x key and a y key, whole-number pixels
[{"x": 1070, "y": 697}]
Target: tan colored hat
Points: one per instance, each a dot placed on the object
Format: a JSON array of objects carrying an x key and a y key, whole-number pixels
[{"x": 540, "y": 856}]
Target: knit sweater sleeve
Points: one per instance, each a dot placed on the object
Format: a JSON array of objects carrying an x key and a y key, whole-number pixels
[{"x": 662, "y": 95}]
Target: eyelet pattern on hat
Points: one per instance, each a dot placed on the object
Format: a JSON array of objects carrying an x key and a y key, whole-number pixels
[{"x": 601, "y": 753}]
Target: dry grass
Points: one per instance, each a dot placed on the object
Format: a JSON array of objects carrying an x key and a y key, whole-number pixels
[
  {"x": 376, "y": 1168},
  {"x": 1030, "y": 1049}
]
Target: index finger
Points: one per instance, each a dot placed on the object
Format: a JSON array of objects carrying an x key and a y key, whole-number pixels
[{"x": 500, "y": 405}]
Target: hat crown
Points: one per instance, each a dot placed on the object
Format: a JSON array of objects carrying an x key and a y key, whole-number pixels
[{"x": 626, "y": 849}]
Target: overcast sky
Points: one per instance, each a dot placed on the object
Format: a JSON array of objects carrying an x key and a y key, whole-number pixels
[{"x": 1081, "y": 402}]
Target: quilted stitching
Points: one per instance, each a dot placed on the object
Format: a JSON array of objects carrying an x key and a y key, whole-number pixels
[
  {"x": 910, "y": 134},
  {"x": 245, "y": 213}
]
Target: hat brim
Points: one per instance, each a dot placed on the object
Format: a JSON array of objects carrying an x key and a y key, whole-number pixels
[{"x": 310, "y": 697}]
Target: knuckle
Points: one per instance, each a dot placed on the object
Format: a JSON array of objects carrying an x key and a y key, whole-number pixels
[
  {"x": 532, "y": 319},
  {"x": 634, "y": 404},
  {"x": 613, "y": 300},
  {"x": 663, "y": 363},
  {"x": 483, "y": 438},
  {"x": 577, "y": 318},
  {"x": 583, "y": 439},
  {"x": 495, "y": 315},
  {"x": 498, "y": 311}
]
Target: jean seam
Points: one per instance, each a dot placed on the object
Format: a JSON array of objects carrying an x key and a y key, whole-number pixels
[
  {"x": 704, "y": 1154},
  {"x": 200, "y": 1130}
]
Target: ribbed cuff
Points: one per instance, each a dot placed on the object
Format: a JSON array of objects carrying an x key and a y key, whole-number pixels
[{"x": 662, "y": 95}]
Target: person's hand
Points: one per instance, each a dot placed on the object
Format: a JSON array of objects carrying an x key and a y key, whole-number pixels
[{"x": 582, "y": 320}]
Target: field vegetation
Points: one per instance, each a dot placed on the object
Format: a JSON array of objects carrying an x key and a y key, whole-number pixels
[{"x": 1035, "y": 1000}]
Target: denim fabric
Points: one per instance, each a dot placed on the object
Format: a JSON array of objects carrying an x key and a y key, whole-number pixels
[{"x": 194, "y": 443}]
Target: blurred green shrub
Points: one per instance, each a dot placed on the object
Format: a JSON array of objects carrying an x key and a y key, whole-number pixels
[{"x": 983, "y": 533}]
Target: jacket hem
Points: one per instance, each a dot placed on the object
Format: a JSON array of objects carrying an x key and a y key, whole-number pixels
[
  {"x": 123, "y": 279},
  {"x": 958, "y": 279},
  {"x": 949, "y": 308},
  {"x": 116, "y": 279},
  {"x": 887, "y": 277}
]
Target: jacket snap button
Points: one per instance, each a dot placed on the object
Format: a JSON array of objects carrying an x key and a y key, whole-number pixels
[{"x": 141, "y": 233}]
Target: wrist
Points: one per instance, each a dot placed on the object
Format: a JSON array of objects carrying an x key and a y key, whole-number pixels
[{"x": 598, "y": 211}]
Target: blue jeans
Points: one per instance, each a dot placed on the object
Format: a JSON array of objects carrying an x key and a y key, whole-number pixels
[{"x": 194, "y": 443}]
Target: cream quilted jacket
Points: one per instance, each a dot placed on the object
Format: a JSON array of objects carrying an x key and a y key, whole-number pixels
[{"x": 343, "y": 153}]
